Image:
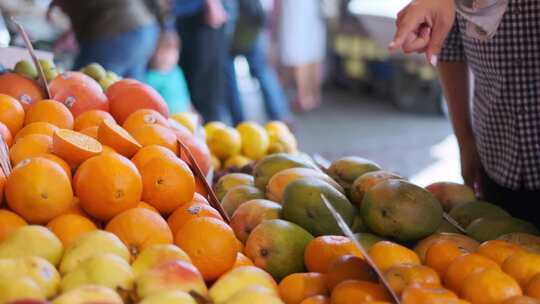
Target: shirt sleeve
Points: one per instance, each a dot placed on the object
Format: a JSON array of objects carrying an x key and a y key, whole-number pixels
[{"x": 452, "y": 50}]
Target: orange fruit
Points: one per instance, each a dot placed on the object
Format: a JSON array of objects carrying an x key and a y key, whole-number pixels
[
  {"x": 79, "y": 98},
  {"x": 155, "y": 134},
  {"x": 29, "y": 146},
  {"x": 498, "y": 250},
  {"x": 348, "y": 267},
  {"x": 38, "y": 190},
  {"x": 354, "y": 292},
  {"x": 91, "y": 131},
  {"x": 114, "y": 136},
  {"x": 386, "y": 254},
  {"x": 490, "y": 286},
  {"x": 25, "y": 90},
  {"x": 464, "y": 266},
  {"x": 72, "y": 78},
  {"x": 68, "y": 227},
  {"x": 211, "y": 245},
  {"x": 108, "y": 184},
  {"x": 120, "y": 85},
  {"x": 521, "y": 300},
  {"x": 418, "y": 294},
  {"x": 533, "y": 287},
  {"x": 186, "y": 212},
  {"x": 92, "y": 118},
  {"x": 147, "y": 153},
  {"x": 41, "y": 127},
  {"x": 167, "y": 184},
  {"x": 2, "y": 184},
  {"x": 139, "y": 228},
  {"x": 134, "y": 97},
  {"x": 324, "y": 250},
  {"x": 144, "y": 117},
  {"x": 145, "y": 205},
  {"x": 197, "y": 147},
  {"x": 316, "y": 300},
  {"x": 74, "y": 147},
  {"x": 50, "y": 111},
  {"x": 5, "y": 133},
  {"x": 402, "y": 275},
  {"x": 441, "y": 254},
  {"x": 76, "y": 208},
  {"x": 296, "y": 287},
  {"x": 522, "y": 266},
  {"x": 58, "y": 161},
  {"x": 11, "y": 113},
  {"x": 242, "y": 260},
  {"x": 9, "y": 221}
]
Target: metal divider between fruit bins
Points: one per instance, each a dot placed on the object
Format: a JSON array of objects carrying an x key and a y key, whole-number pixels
[
  {"x": 41, "y": 75},
  {"x": 212, "y": 198}
]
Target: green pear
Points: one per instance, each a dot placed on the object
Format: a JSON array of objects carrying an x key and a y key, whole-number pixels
[
  {"x": 157, "y": 254},
  {"x": 105, "y": 269},
  {"x": 90, "y": 244},
  {"x": 238, "y": 279},
  {"x": 26, "y": 68},
  {"x": 254, "y": 294},
  {"x": 95, "y": 70},
  {"x": 17, "y": 288},
  {"x": 32, "y": 240},
  {"x": 89, "y": 294},
  {"x": 176, "y": 297},
  {"x": 171, "y": 276}
]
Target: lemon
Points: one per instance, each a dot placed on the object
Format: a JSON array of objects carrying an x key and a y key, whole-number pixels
[
  {"x": 224, "y": 143},
  {"x": 255, "y": 140},
  {"x": 277, "y": 126},
  {"x": 210, "y": 127},
  {"x": 237, "y": 161},
  {"x": 187, "y": 119},
  {"x": 216, "y": 163}
]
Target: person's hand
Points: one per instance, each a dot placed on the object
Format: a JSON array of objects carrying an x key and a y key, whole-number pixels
[
  {"x": 422, "y": 26},
  {"x": 216, "y": 15},
  {"x": 471, "y": 167}
]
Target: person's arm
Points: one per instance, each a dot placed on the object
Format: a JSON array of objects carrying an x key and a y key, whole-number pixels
[
  {"x": 454, "y": 78},
  {"x": 422, "y": 26}
]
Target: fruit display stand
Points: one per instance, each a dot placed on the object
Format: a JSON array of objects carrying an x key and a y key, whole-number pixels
[{"x": 104, "y": 199}]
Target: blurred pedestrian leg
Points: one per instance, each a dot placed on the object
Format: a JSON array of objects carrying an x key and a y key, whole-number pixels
[
  {"x": 126, "y": 54},
  {"x": 202, "y": 59},
  {"x": 121, "y": 35}
]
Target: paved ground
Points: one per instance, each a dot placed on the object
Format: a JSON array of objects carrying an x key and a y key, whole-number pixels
[{"x": 420, "y": 147}]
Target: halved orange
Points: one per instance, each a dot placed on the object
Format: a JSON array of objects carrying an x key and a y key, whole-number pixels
[
  {"x": 74, "y": 147},
  {"x": 114, "y": 136}
]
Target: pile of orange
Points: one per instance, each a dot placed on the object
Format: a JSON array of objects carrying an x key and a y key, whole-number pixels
[{"x": 88, "y": 159}]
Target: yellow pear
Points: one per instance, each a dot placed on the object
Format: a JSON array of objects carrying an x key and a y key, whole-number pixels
[
  {"x": 157, "y": 254},
  {"x": 89, "y": 294},
  {"x": 176, "y": 297},
  {"x": 253, "y": 294},
  {"x": 238, "y": 279},
  {"x": 41, "y": 271},
  {"x": 17, "y": 288},
  {"x": 32, "y": 240},
  {"x": 105, "y": 269},
  {"x": 92, "y": 243},
  {"x": 171, "y": 276}
]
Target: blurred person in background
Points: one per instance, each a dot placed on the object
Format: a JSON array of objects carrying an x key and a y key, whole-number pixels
[
  {"x": 121, "y": 35},
  {"x": 250, "y": 40},
  {"x": 166, "y": 76},
  {"x": 302, "y": 39},
  {"x": 200, "y": 24}
]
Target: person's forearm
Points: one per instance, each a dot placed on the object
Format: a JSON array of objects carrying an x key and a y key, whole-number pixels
[{"x": 454, "y": 78}]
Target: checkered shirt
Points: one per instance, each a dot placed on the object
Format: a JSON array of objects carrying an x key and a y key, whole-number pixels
[{"x": 506, "y": 106}]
